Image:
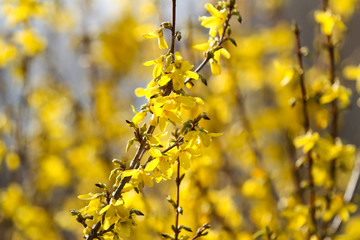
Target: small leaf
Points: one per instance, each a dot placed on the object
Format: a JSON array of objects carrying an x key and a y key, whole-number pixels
[
  {"x": 180, "y": 210},
  {"x": 203, "y": 80},
  {"x": 120, "y": 163},
  {"x": 184, "y": 237},
  {"x": 129, "y": 144},
  {"x": 174, "y": 229},
  {"x": 131, "y": 124},
  {"x": 299, "y": 162},
  {"x": 292, "y": 102},
  {"x": 171, "y": 201},
  {"x": 137, "y": 212},
  {"x": 101, "y": 185},
  {"x": 74, "y": 212},
  {"x": 204, "y": 116},
  {"x": 304, "y": 51},
  {"x": 113, "y": 173},
  {"x": 167, "y": 236},
  {"x": 178, "y": 35},
  {"x": 259, "y": 234},
  {"x": 204, "y": 233},
  {"x": 181, "y": 177},
  {"x": 185, "y": 228},
  {"x": 233, "y": 41}
]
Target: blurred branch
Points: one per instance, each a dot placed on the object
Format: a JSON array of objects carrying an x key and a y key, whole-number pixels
[
  {"x": 201, "y": 231},
  {"x": 349, "y": 194},
  {"x": 334, "y": 104},
  {"x": 252, "y": 141},
  {"x": 306, "y": 124}
]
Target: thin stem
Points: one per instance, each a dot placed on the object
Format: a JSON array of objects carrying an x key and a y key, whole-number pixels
[
  {"x": 334, "y": 105},
  {"x": 201, "y": 231},
  {"x": 177, "y": 143},
  {"x": 177, "y": 212},
  {"x": 325, "y": 4},
  {"x": 306, "y": 125},
  {"x": 296, "y": 171},
  {"x": 135, "y": 163},
  {"x": 173, "y": 29},
  {"x": 219, "y": 43}
]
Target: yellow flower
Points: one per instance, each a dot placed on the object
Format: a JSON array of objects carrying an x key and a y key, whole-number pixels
[
  {"x": 215, "y": 61},
  {"x": 139, "y": 116},
  {"x": 157, "y": 34},
  {"x": 216, "y": 21},
  {"x": 344, "y": 7},
  {"x": 328, "y": 21},
  {"x": 254, "y": 188},
  {"x": 20, "y": 11},
  {"x": 307, "y": 141},
  {"x": 158, "y": 69},
  {"x": 7, "y": 53},
  {"x": 205, "y": 46},
  {"x": 339, "y": 207},
  {"x": 31, "y": 42},
  {"x": 181, "y": 71},
  {"x": 336, "y": 91},
  {"x": 352, "y": 72},
  {"x": 298, "y": 216},
  {"x": 286, "y": 72},
  {"x": 160, "y": 167},
  {"x": 138, "y": 177},
  {"x": 12, "y": 161},
  {"x": 151, "y": 90}
]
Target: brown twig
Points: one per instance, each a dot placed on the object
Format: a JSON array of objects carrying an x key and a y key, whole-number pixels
[
  {"x": 219, "y": 42},
  {"x": 173, "y": 25},
  {"x": 306, "y": 124},
  {"x": 135, "y": 163},
  {"x": 334, "y": 104},
  {"x": 201, "y": 231},
  {"x": 177, "y": 209}
]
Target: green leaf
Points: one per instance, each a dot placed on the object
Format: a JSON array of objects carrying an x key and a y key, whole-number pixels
[
  {"x": 203, "y": 80},
  {"x": 75, "y": 213},
  {"x": 184, "y": 237},
  {"x": 180, "y": 210},
  {"x": 113, "y": 173},
  {"x": 204, "y": 233},
  {"x": 167, "y": 236},
  {"x": 185, "y": 228},
  {"x": 259, "y": 234},
  {"x": 129, "y": 144},
  {"x": 137, "y": 212},
  {"x": 101, "y": 185},
  {"x": 233, "y": 41},
  {"x": 181, "y": 177},
  {"x": 171, "y": 201}
]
